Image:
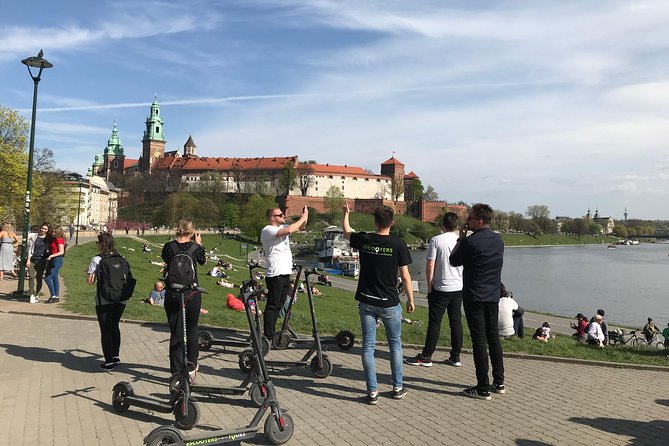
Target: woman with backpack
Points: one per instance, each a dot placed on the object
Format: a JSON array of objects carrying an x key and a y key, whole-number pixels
[
  {"x": 56, "y": 243},
  {"x": 181, "y": 257},
  {"x": 112, "y": 273}
]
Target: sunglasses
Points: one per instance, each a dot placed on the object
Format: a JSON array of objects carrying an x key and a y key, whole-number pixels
[{"x": 278, "y": 215}]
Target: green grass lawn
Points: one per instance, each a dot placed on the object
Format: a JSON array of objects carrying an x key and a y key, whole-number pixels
[{"x": 335, "y": 311}]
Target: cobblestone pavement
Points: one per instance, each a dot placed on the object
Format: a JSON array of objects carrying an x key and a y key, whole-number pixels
[{"x": 52, "y": 392}]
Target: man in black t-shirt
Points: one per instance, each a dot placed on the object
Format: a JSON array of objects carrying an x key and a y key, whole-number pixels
[{"x": 381, "y": 256}]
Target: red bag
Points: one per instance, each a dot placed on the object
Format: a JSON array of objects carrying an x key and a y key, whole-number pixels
[{"x": 235, "y": 303}]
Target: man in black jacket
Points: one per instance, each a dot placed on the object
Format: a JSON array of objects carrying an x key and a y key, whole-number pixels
[{"x": 481, "y": 254}]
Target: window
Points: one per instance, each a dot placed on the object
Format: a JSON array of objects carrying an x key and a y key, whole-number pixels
[
  {"x": 355, "y": 178},
  {"x": 342, "y": 178},
  {"x": 366, "y": 179},
  {"x": 157, "y": 129},
  {"x": 330, "y": 177},
  {"x": 378, "y": 180}
]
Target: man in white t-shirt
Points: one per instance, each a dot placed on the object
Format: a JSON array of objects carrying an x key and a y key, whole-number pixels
[
  {"x": 507, "y": 305},
  {"x": 276, "y": 245},
  {"x": 444, "y": 284}
]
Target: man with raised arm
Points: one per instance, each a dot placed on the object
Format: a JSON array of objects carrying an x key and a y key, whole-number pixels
[
  {"x": 481, "y": 254},
  {"x": 381, "y": 256},
  {"x": 276, "y": 245}
]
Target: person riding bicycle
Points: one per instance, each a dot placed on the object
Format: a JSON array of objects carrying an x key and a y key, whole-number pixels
[{"x": 650, "y": 330}]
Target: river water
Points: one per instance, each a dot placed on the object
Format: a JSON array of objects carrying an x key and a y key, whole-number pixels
[{"x": 630, "y": 282}]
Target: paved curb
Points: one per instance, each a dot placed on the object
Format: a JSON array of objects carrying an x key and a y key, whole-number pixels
[{"x": 617, "y": 365}]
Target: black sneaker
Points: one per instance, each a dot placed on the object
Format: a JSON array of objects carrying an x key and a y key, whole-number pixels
[
  {"x": 398, "y": 393},
  {"x": 116, "y": 360},
  {"x": 455, "y": 362},
  {"x": 108, "y": 366},
  {"x": 475, "y": 392},
  {"x": 420, "y": 360},
  {"x": 497, "y": 388},
  {"x": 373, "y": 398}
]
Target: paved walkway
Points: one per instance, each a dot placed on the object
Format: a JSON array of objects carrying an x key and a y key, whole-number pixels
[{"x": 52, "y": 393}]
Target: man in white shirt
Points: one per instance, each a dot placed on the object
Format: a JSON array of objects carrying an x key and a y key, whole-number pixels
[
  {"x": 444, "y": 284},
  {"x": 276, "y": 245},
  {"x": 507, "y": 305}
]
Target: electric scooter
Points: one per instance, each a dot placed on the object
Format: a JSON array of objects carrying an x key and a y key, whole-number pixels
[
  {"x": 320, "y": 365},
  {"x": 278, "y": 426},
  {"x": 185, "y": 410},
  {"x": 281, "y": 340},
  {"x": 206, "y": 338},
  {"x": 252, "y": 383}
]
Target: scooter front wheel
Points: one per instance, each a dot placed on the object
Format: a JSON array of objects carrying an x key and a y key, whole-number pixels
[
  {"x": 204, "y": 341},
  {"x": 281, "y": 340},
  {"x": 187, "y": 420},
  {"x": 345, "y": 340},
  {"x": 162, "y": 436},
  {"x": 323, "y": 371},
  {"x": 257, "y": 393},
  {"x": 273, "y": 430},
  {"x": 120, "y": 392},
  {"x": 246, "y": 361}
]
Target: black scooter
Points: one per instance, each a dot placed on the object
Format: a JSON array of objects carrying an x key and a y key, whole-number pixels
[
  {"x": 252, "y": 383},
  {"x": 282, "y": 340},
  {"x": 278, "y": 426},
  {"x": 206, "y": 338},
  {"x": 185, "y": 410},
  {"x": 320, "y": 365}
]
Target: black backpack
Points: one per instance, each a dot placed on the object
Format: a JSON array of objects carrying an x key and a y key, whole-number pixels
[
  {"x": 115, "y": 281},
  {"x": 181, "y": 269}
]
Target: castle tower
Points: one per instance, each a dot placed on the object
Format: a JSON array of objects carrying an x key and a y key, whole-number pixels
[
  {"x": 96, "y": 168},
  {"x": 153, "y": 142},
  {"x": 596, "y": 213},
  {"x": 113, "y": 155},
  {"x": 190, "y": 147},
  {"x": 392, "y": 167},
  {"x": 625, "y": 213}
]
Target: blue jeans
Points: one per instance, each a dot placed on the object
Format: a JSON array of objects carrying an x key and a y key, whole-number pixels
[
  {"x": 51, "y": 277},
  {"x": 391, "y": 318}
]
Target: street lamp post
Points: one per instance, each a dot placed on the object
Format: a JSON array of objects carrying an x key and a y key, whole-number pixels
[
  {"x": 41, "y": 63},
  {"x": 76, "y": 240}
]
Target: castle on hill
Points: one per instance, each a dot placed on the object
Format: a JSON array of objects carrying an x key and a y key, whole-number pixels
[{"x": 189, "y": 171}]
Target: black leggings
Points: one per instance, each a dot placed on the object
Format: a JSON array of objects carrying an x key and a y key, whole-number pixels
[
  {"x": 278, "y": 287},
  {"x": 174, "y": 319},
  {"x": 109, "y": 317}
]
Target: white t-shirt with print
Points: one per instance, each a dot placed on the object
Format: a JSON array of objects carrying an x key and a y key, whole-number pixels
[{"x": 277, "y": 251}]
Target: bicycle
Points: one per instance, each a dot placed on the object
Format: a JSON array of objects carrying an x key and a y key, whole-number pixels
[
  {"x": 620, "y": 337},
  {"x": 655, "y": 341}
]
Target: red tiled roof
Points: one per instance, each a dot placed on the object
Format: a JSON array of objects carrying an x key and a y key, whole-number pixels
[
  {"x": 331, "y": 169},
  {"x": 411, "y": 175},
  {"x": 129, "y": 163},
  {"x": 224, "y": 164},
  {"x": 392, "y": 160}
]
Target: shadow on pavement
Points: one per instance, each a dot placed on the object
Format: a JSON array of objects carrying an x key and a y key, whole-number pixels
[
  {"x": 526, "y": 442},
  {"x": 641, "y": 432}
]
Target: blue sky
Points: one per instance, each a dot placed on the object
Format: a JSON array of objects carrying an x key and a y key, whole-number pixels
[{"x": 505, "y": 102}]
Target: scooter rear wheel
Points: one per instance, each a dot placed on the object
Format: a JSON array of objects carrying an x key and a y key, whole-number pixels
[
  {"x": 175, "y": 384},
  {"x": 119, "y": 394},
  {"x": 204, "y": 341},
  {"x": 246, "y": 361},
  {"x": 345, "y": 340},
  {"x": 281, "y": 340},
  {"x": 321, "y": 372},
  {"x": 186, "y": 421},
  {"x": 163, "y": 436},
  {"x": 274, "y": 433},
  {"x": 257, "y": 393}
]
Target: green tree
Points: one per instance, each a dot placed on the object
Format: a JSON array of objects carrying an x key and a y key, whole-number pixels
[
  {"x": 430, "y": 194},
  {"x": 333, "y": 202},
  {"x": 254, "y": 216},
  {"x": 305, "y": 177},
  {"x": 207, "y": 214},
  {"x": 418, "y": 189},
  {"x": 516, "y": 222},
  {"x": 229, "y": 215},
  {"x": 13, "y": 164},
  {"x": 538, "y": 211},
  {"x": 620, "y": 230},
  {"x": 212, "y": 182},
  {"x": 288, "y": 179},
  {"x": 396, "y": 187},
  {"x": 500, "y": 221}
]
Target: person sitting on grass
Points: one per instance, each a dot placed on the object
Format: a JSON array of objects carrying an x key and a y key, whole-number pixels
[
  {"x": 157, "y": 297},
  {"x": 543, "y": 333},
  {"x": 580, "y": 326},
  {"x": 595, "y": 333},
  {"x": 316, "y": 292},
  {"x": 145, "y": 248}
]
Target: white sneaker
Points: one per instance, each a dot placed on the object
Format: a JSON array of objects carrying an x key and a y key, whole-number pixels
[{"x": 33, "y": 299}]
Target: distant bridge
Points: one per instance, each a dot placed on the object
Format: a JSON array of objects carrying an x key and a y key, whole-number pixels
[{"x": 661, "y": 236}]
